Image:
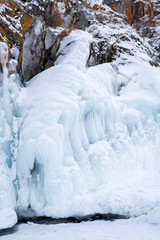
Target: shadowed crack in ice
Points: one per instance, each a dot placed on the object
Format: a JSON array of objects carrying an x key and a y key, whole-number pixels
[{"x": 91, "y": 217}]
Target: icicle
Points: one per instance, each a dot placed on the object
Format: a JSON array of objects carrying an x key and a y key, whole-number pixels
[
  {"x": 7, "y": 192},
  {"x": 5, "y": 83}
]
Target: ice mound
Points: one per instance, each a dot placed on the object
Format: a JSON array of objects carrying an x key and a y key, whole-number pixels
[{"x": 89, "y": 137}]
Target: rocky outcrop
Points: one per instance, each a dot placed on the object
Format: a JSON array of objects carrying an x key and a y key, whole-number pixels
[
  {"x": 144, "y": 16},
  {"x": 147, "y": 24},
  {"x": 133, "y": 9},
  {"x": 31, "y": 26},
  {"x": 33, "y": 51},
  {"x": 36, "y": 28},
  {"x": 17, "y": 19}
]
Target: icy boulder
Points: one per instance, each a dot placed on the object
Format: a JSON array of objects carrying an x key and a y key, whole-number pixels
[
  {"x": 8, "y": 218},
  {"x": 89, "y": 137}
]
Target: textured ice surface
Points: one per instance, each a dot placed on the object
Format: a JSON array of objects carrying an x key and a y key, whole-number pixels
[
  {"x": 89, "y": 137},
  {"x": 7, "y": 192}
]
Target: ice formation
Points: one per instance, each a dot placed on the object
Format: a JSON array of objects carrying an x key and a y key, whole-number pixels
[
  {"x": 7, "y": 193},
  {"x": 89, "y": 137}
]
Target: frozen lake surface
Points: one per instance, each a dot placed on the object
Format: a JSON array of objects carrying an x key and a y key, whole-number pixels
[{"x": 132, "y": 229}]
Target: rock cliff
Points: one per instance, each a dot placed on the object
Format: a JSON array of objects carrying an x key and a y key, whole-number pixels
[
  {"x": 144, "y": 16},
  {"x": 37, "y": 27}
]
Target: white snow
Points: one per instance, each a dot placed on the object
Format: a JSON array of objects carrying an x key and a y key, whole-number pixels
[
  {"x": 133, "y": 229},
  {"x": 89, "y": 137}
]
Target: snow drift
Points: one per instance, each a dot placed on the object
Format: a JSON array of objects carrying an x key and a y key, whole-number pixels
[{"x": 89, "y": 137}]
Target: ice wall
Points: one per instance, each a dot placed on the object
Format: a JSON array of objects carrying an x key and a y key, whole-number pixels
[
  {"x": 7, "y": 193},
  {"x": 89, "y": 137}
]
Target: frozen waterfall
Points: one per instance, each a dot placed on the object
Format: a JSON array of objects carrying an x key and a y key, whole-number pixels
[
  {"x": 89, "y": 137},
  {"x": 7, "y": 166}
]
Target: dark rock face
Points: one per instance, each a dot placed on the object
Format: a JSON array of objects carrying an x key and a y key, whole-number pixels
[
  {"x": 39, "y": 8},
  {"x": 51, "y": 43},
  {"x": 84, "y": 18},
  {"x": 33, "y": 51},
  {"x": 98, "y": 53},
  {"x": 18, "y": 20},
  {"x": 41, "y": 25},
  {"x": 134, "y": 10},
  {"x": 117, "y": 5},
  {"x": 42, "y": 40},
  {"x": 147, "y": 22},
  {"x": 144, "y": 16}
]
